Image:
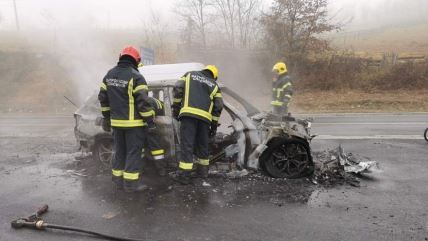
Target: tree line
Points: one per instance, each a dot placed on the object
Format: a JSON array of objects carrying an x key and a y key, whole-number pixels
[{"x": 287, "y": 29}]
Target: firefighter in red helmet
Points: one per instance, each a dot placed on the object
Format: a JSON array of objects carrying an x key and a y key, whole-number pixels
[{"x": 125, "y": 106}]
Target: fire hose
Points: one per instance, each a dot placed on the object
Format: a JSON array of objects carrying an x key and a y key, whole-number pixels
[{"x": 34, "y": 221}]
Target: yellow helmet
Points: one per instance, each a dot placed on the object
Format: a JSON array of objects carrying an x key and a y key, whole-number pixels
[
  {"x": 213, "y": 70},
  {"x": 280, "y": 68}
]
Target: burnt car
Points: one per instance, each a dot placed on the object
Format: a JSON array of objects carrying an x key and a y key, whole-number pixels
[{"x": 246, "y": 139}]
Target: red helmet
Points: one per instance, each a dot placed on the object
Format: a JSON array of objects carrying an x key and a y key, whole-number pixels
[{"x": 133, "y": 52}]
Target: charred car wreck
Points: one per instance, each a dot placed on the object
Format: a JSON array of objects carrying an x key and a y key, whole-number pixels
[{"x": 247, "y": 138}]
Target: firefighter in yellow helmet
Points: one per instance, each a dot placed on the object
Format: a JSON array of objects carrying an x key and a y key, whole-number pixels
[
  {"x": 197, "y": 105},
  {"x": 282, "y": 90}
]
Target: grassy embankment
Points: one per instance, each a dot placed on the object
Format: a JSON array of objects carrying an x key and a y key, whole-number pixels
[{"x": 402, "y": 88}]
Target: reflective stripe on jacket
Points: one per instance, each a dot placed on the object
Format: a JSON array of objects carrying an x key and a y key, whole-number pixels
[
  {"x": 198, "y": 96},
  {"x": 282, "y": 91},
  {"x": 123, "y": 97},
  {"x": 158, "y": 106}
]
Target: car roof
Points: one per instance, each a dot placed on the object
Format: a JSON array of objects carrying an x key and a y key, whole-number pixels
[{"x": 167, "y": 74}]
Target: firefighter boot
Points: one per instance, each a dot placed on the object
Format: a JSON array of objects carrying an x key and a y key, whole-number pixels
[
  {"x": 182, "y": 177},
  {"x": 134, "y": 186},
  {"x": 202, "y": 171},
  {"x": 160, "y": 167},
  {"x": 118, "y": 182}
]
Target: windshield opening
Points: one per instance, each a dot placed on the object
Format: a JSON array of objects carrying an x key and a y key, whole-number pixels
[{"x": 238, "y": 102}]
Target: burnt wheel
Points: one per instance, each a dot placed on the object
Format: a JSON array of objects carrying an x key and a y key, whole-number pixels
[
  {"x": 426, "y": 134},
  {"x": 287, "y": 158},
  {"x": 103, "y": 152}
]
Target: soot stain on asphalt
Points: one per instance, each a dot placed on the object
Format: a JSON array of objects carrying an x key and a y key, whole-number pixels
[
  {"x": 59, "y": 165},
  {"x": 214, "y": 191}
]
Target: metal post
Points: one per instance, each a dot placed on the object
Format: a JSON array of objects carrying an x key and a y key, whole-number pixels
[{"x": 16, "y": 15}]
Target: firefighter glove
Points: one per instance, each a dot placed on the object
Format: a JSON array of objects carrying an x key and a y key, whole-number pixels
[
  {"x": 175, "y": 112},
  {"x": 106, "y": 125},
  {"x": 213, "y": 130},
  {"x": 151, "y": 126}
]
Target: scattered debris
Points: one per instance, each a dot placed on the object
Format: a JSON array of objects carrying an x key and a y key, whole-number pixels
[
  {"x": 30, "y": 161},
  {"x": 237, "y": 173},
  {"x": 334, "y": 166},
  {"x": 229, "y": 173},
  {"x": 77, "y": 173},
  {"x": 110, "y": 215},
  {"x": 82, "y": 155},
  {"x": 206, "y": 184}
]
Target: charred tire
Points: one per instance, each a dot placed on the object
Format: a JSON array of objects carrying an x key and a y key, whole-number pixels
[
  {"x": 287, "y": 158},
  {"x": 103, "y": 152},
  {"x": 426, "y": 134}
]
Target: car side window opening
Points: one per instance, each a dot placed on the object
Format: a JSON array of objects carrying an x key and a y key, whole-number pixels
[
  {"x": 235, "y": 103},
  {"x": 239, "y": 103},
  {"x": 158, "y": 94},
  {"x": 91, "y": 105},
  {"x": 164, "y": 95}
]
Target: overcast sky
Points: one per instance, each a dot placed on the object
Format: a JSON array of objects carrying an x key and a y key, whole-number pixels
[
  {"x": 82, "y": 13},
  {"x": 365, "y": 14}
]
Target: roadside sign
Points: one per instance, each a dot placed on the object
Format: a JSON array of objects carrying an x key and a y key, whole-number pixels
[{"x": 147, "y": 56}]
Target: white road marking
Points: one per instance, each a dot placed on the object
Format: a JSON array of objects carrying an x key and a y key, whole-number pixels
[
  {"x": 362, "y": 114},
  {"x": 373, "y": 137},
  {"x": 372, "y": 123}
]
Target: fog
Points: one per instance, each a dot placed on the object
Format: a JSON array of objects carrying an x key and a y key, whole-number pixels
[
  {"x": 371, "y": 14},
  {"x": 86, "y": 36},
  {"x": 108, "y": 14},
  {"x": 129, "y": 14}
]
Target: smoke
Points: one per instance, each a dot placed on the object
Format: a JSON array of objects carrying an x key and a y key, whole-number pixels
[
  {"x": 83, "y": 37},
  {"x": 86, "y": 56}
]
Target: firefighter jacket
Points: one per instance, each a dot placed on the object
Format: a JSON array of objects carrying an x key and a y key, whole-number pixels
[
  {"x": 158, "y": 106},
  {"x": 197, "y": 95},
  {"x": 282, "y": 91},
  {"x": 123, "y": 97}
]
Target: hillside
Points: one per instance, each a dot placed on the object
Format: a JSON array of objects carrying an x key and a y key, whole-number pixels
[
  {"x": 396, "y": 39},
  {"x": 33, "y": 82}
]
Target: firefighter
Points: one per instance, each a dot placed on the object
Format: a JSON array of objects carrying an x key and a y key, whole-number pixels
[
  {"x": 153, "y": 139},
  {"x": 126, "y": 108},
  {"x": 281, "y": 89},
  {"x": 197, "y": 105}
]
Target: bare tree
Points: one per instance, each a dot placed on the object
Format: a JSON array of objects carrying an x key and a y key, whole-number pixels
[
  {"x": 293, "y": 28},
  {"x": 238, "y": 19},
  {"x": 156, "y": 34},
  {"x": 247, "y": 13},
  {"x": 187, "y": 32},
  {"x": 227, "y": 10},
  {"x": 197, "y": 16}
]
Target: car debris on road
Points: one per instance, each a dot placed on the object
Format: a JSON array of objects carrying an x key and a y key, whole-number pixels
[{"x": 336, "y": 165}]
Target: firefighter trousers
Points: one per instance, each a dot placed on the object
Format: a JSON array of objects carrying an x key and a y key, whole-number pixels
[
  {"x": 194, "y": 138},
  {"x": 156, "y": 150},
  {"x": 128, "y": 146},
  {"x": 280, "y": 110}
]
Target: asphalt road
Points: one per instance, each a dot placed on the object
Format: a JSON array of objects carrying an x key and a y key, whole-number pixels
[
  {"x": 38, "y": 165},
  {"x": 370, "y": 126}
]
